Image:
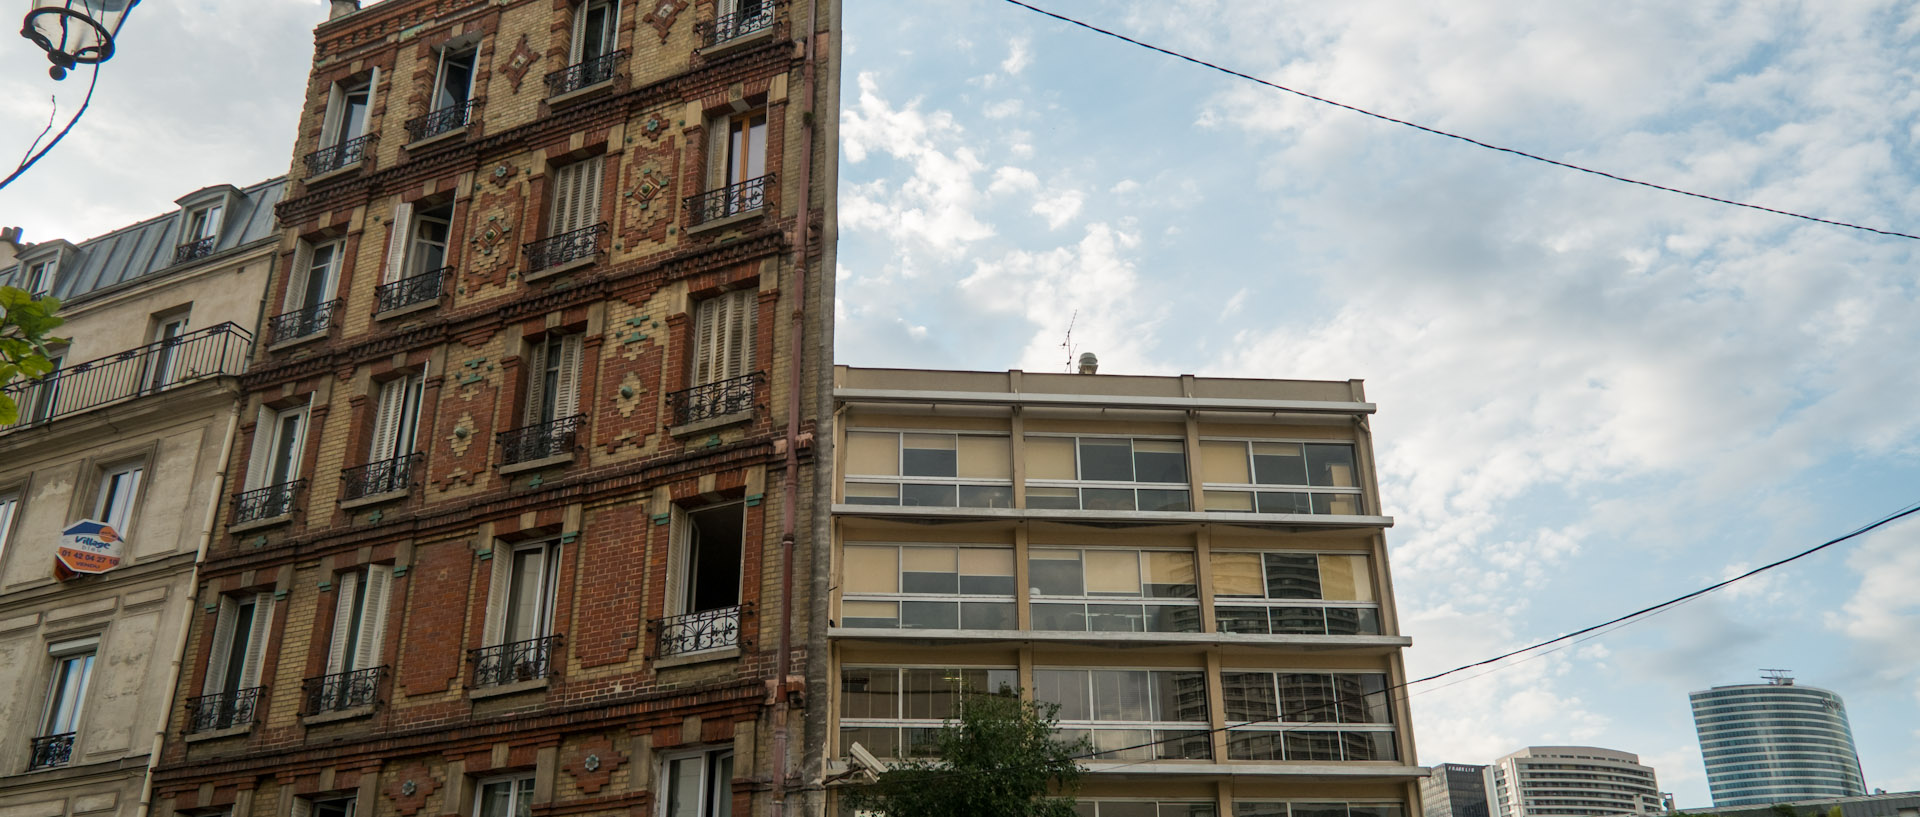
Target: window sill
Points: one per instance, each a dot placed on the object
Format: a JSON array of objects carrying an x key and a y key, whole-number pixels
[
  {"x": 726, "y": 221},
  {"x": 219, "y": 734},
  {"x": 514, "y": 688},
  {"x": 407, "y": 310},
  {"x": 710, "y": 424},
  {"x": 558, "y": 269},
  {"x": 571, "y": 97},
  {"x": 338, "y": 172},
  {"x": 292, "y": 342},
  {"x": 738, "y": 42},
  {"x": 341, "y": 715},
  {"x": 535, "y": 465},
  {"x": 443, "y": 136},
  {"x": 701, "y": 657},
  {"x": 374, "y": 499},
  {"x": 1314, "y": 643},
  {"x": 258, "y": 524}
]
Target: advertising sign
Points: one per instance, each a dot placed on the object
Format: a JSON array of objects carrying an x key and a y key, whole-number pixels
[{"x": 88, "y": 547}]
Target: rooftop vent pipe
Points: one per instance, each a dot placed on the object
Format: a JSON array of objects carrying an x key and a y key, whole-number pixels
[{"x": 1088, "y": 363}]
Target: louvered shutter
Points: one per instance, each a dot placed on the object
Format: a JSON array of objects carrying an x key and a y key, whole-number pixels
[
  {"x": 682, "y": 540},
  {"x": 587, "y": 198},
  {"x": 410, "y": 414},
  {"x": 706, "y": 342},
  {"x": 386, "y": 421},
  {"x": 344, "y": 587},
  {"x": 579, "y": 43},
  {"x": 222, "y": 645},
  {"x": 373, "y": 94},
  {"x": 373, "y": 617},
  {"x": 257, "y": 640},
  {"x": 497, "y": 593},
  {"x": 536, "y": 383},
  {"x": 740, "y": 335},
  {"x": 330, "y": 124},
  {"x": 265, "y": 424},
  {"x": 566, "y": 398},
  {"x": 397, "y": 236},
  {"x": 302, "y": 807},
  {"x": 565, "y": 189},
  {"x": 297, "y": 278}
]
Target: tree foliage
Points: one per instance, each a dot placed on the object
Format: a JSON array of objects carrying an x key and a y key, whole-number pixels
[
  {"x": 1000, "y": 758},
  {"x": 24, "y": 324}
]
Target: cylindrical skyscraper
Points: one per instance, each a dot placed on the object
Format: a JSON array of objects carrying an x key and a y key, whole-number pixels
[{"x": 1775, "y": 742}]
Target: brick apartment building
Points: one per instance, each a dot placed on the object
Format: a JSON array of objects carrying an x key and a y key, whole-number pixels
[{"x": 519, "y": 516}]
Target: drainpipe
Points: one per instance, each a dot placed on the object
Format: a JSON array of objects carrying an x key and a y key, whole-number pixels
[
  {"x": 790, "y": 488},
  {"x": 187, "y": 602}
]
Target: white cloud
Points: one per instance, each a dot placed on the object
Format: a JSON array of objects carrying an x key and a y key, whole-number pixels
[
  {"x": 1059, "y": 208},
  {"x": 1019, "y": 56},
  {"x": 1013, "y": 179},
  {"x": 937, "y": 205},
  {"x": 1096, "y": 279}
]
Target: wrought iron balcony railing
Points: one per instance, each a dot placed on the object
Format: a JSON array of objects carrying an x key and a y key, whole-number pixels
[
  {"x": 732, "y": 200},
  {"x": 224, "y": 710},
  {"x": 753, "y": 16},
  {"x": 341, "y": 691},
  {"x": 50, "y": 751},
  {"x": 303, "y": 322},
  {"x": 514, "y": 662},
  {"x": 538, "y": 442},
  {"x": 695, "y": 632},
  {"x": 426, "y": 286},
  {"x": 150, "y": 369},
  {"x": 452, "y": 117},
  {"x": 374, "y": 478},
  {"x": 271, "y": 502},
  {"x": 193, "y": 250},
  {"x": 559, "y": 249},
  {"x": 329, "y": 159},
  {"x": 583, "y": 75},
  {"x": 720, "y": 398}
]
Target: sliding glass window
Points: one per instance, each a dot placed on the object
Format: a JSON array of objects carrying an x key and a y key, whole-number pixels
[
  {"x": 929, "y": 469},
  {"x": 1294, "y": 593},
  {"x": 1113, "y": 590},
  {"x": 1107, "y": 473},
  {"x": 927, "y": 587},
  {"x": 897, "y": 712},
  {"x": 1268, "y": 476}
]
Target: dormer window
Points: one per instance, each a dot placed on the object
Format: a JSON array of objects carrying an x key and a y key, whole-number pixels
[
  {"x": 40, "y": 266},
  {"x": 344, "y": 134},
  {"x": 201, "y": 233},
  {"x": 39, "y": 280}
]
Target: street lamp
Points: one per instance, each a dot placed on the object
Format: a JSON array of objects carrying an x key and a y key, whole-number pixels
[{"x": 74, "y": 32}]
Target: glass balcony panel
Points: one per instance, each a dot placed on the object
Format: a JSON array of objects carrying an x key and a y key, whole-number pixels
[
  {"x": 986, "y": 496},
  {"x": 975, "y": 615},
  {"x": 1059, "y": 617},
  {"x": 928, "y": 496}
]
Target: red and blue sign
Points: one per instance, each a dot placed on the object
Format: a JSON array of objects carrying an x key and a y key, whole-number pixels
[{"x": 88, "y": 547}]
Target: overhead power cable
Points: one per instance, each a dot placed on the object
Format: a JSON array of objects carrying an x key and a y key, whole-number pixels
[
  {"x": 1588, "y": 632},
  {"x": 1437, "y": 132}
]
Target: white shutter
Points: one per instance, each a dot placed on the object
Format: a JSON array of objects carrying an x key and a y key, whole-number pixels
[
  {"x": 398, "y": 233},
  {"x": 497, "y": 593},
  {"x": 579, "y": 43},
  {"x": 566, "y": 399},
  {"x": 302, "y": 807},
  {"x": 386, "y": 421},
  {"x": 373, "y": 617},
  {"x": 344, "y": 586},
  {"x": 587, "y": 202},
  {"x": 705, "y": 342},
  {"x": 410, "y": 412},
  {"x": 719, "y": 157},
  {"x": 265, "y": 423},
  {"x": 257, "y": 640},
  {"x": 536, "y": 383},
  {"x": 299, "y": 439},
  {"x": 373, "y": 93},
  {"x": 564, "y": 184},
  {"x": 740, "y": 334},
  {"x": 680, "y": 541},
  {"x": 330, "y": 124},
  {"x": 222, "y": 644},
  {"x": 297, "y": 278}
]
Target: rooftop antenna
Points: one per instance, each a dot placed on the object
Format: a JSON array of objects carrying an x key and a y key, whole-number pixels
[
  {"x": 1068, "y": 343},
  {"x": 1778, "y": 677}
]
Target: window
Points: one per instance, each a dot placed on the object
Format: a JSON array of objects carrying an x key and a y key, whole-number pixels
[
  {"x": 1143, "y": 808},
  {"x": 1085, "y": 589},
  {"x": 273, "y": 469},
  {"x": 326, "y": 806},
  {"x": 1294, "y": 593},
  {"x": 723, "y": 337},
  {"x": 896, "y": 712},
  {"x": 39, "y": 280},
  {"x": 737, "y": 176},
  {"x": 703, "y": 579},
  {"x": 1319, "y": 478},
  {"x": 576, "y": 196},
  {"x": 699, "y": 785},
  {"x": 553, "y": 380},
  {"x": 231, "y": 689},
  {"x": 595, "y": 23},
  {"x": 520, "y": 614},
  {"x": 361, "y": 599},
  {"x": 1350, "y": 716},
  {"x": 931, "y": 469},
  {"x": 1121, "y": 709},
  {"x": 43, "y": 400},
  {"x": 202, "y": 223},
  {"x": 429, "y": 236},
  {"x": 9, "y": 508},
  {"x": 416, "y": 256},
  {"x": 453, "y": 86},
  {"x": 119, "y": 489},
  {"x": 344, "y": 130},
  {"x": 505, "y": 797},
  {"x": 1055, "y": 464},
  {"x": 738, "y": 18},
  {"x": 164, "y": 339},
  {"x": 309, "y": 301},
  {"x": 396, "y": 421},
  {"x": 66, "y": 693},
  {"x": 927, "y": 587}
]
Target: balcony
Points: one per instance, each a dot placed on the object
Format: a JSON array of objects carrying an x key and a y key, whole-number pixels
[
  {"x": 515, "y": 662},
  {"x": 265, "y": 505},
  {"x": 224, "y": 710},
  {"x": 412, "y": 291},
  {"x": 581, "y": 76},
  {"x": 540, "y": 443},
  {"x": 377, "y": 479},
  {"x": 193, "y": 250},
  {"x": 711, "y": 401},
  {"x": 435, "y": 123},
  {"x": 699, "y": 632},
  {"x": 729, "y": 27},
  {"x": 738, "y": 199},
  {"x": 305, "y": 322},
  {"x": 339, "y": 157},
  {"x": 156, "y": 367},
  {"x": 552, "y": 254},
  {"x": 341, "y": 691},
  {"x": 51, "y": 751}
]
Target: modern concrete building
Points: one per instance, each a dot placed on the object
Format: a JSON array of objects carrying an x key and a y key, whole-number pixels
[
  {"x": 132, "y": 431},
  {"x": 1455, "y": 790},
  {"x": 1193, "y": 568},
  {"x": 1547, "y": 781},
  {"x": 524, "y": 473},
  {"x": 1878, "y": 804},
  {"x": 1775, "y": 742}
]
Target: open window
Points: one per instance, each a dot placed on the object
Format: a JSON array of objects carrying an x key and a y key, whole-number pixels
[
  {"x": 737, "y": 179},
  {"x": 574, "y": 226},
  {"x": 9, "y": 511},
  {"x": 699, "y": 784},
  {"x": 309, "y": 304},
  {"x": 66, "y": 694},
  {"x": 703, "y": 580},
  {"x": 739, "y": 18},
  {"x": 504, "y": 797},
  {"x": 390, "y": 449},
  {"x": 331, "y": 805},
  {"x": 595, "y": 28},
  {"x": 520, "y": 614},
  {"x": 550, "y": 416},
  {"x": 344, "y": 132},
  {"x": 273, "y": 469},
  {"x": 230, "y": 691},
  {"x": 119, "y": 490},
  {"x": 164, "y": 339},
  {"x": 39, "y": 279},
  {"x": 355, "y": 650},
  {"x": 416, "y": 264}
]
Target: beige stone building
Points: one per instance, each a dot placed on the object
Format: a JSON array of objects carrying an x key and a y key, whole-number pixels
[
  {"x": 1193, "y": 568},
  {"x": 133, "y": 430}
]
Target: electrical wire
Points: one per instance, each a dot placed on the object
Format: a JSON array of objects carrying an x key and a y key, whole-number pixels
[
  {"x": 35, "y": 157},
  {"x": 1437, "y": 132}
]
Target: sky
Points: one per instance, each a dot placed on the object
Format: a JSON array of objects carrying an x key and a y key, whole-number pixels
[{"x": 1592, "y": 396}]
